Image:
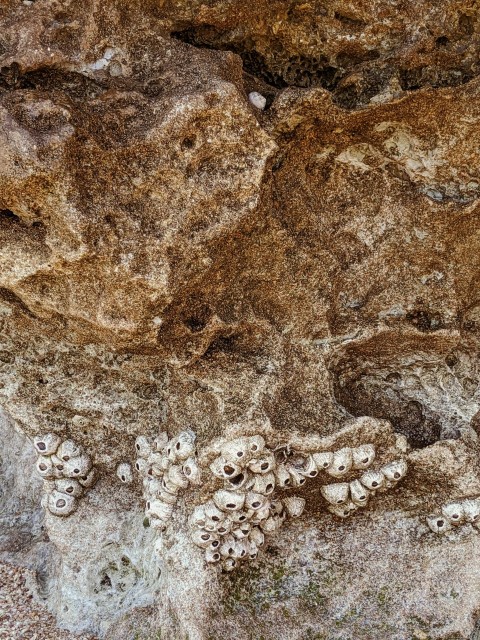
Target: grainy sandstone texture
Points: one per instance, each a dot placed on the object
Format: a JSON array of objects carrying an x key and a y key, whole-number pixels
[{"x": 172, "y": 257}]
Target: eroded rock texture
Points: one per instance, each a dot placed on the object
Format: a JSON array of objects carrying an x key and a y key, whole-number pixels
[{"x": 172, "y": 257}]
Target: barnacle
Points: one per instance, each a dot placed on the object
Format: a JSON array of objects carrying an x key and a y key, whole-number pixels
[
  {"x": 124, "y": 472},
  {"x": 294, "y": 506},
  {"x": 341, "y": 463},
  {"x": 48, "y": 444},
  {"x": 363, "y": 456},
  {"x": 229, "y": 500},
  {"x": 337, "y": 493},
  {"x": 67, "y": 463}
]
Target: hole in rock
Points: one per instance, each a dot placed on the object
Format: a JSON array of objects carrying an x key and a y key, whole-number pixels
[
  {"x": 406, "y": 380},
  {"x": 106, "y": 582},
  {"x": 424, "y": 320},
  {"x": 6, "y": 214},
  {"x": 188, "y": 143}
]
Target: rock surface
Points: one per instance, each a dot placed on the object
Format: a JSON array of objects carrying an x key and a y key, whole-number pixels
[{"x": 173, "y": 257}]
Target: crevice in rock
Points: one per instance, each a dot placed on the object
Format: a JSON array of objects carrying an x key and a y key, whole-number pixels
[
  {"x": 75, "y": 84},
  {"x": 421, "y": 388},
  {"x": 13, "y": 299},
  {"x": 352, "y": 80}
]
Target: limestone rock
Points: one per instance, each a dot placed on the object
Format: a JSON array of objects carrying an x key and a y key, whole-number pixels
[{"x": 175, "y": 259}]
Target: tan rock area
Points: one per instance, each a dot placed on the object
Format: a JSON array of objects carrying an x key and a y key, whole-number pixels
[{"x": 190, "y": 271}]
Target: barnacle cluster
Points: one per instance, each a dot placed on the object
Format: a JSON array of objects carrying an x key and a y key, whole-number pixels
[
  {"x": 231, "y": 527},
  {"x": 67, "y": 471},
  {"x": 346, "y": 497},
  {"x": 454, "y": 514},
  {"x": 167, "y": 467}
]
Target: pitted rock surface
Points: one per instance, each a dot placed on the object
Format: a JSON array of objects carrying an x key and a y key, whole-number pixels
[{"x": 174, "y": 257}]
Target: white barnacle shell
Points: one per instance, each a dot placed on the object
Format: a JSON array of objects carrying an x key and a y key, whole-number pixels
[
  {"x": 212, "y": 555},
  {"x": 141, "y": 465},
  {"x": 175, "y": 475},
  {"x": 283, "y": 477},
  {"x": 61, "y": 504},
  {"x": 168, "y": 485},
  {"x": 271, "y": 524},
  {"x": 45, "y": 468},
  {"x": 229, "y": 564},
  {"x": 224, "y": 527},
  {"x": 258, "y": 101},
  {"x": 264, "y": 464},
  {"x": 210, "y": 525},
  {"x": 183, "y": 445},
  {"x": 159, "y": 524},
  {"x": 342, "y": 511},
  {"x": 160, "y": 442},
  {"x": 236, "y": 451},
  {"x": 308, "y": 468},
  {"x": 241, "y": 480},
  {"x": 373, "y": 480},
  {"x": 192, "y": 472},
  {"x": 260, "y": 515},
  {"x": 323, "y": 459},
  {"x": 69, "y": 486},
  {"x": 239, "y": 516},
  {"x": 213, "y": 512},
  {"x": 89, "y": 479},
  {"x": 155, "y": 461},
  {"x": 202, "y": 538},
  {"x": 164, "y": 463},
  {"x": 242, "y": 531},
  {"x": 229, "y": 500},
  {"x": 166, "y": 496},
  {"x": 296, "y": 478},
  {"x": 80, "y": 421},
  {"x": 159, "y": 509},
  {"x": 395, "y": 471},
  {"x": 151, "y": 486},
  {"x": 257, "y": 536},
  {"x": 124, "y": 473},
  {"x": 47, "y": 445},
  {"x": 401, "y": 443},
  {"x": 254, "y": 500},
  {"x": 341, "y": 463},
  {"x": 453, "y": 512},
  {"x": 359, "y": 493},
  {"x": 215, "y": 544},
  {"x": 276, "y": 507},
  {"x": 143, "y": 447},
  {"x": 438, "y": 524},
  {"x": 240, "y": 549},
  {"x": 294, "y": 506},
  {"x": 363, "y": 456},
  {"x": 471, "y": 510},
  {"x": 59, "y": 466},
  {"x": 264, "y": 484},
  {"x": 227, "y": 546},
  {"x": 224, "y": 469},
  {"x": 77, "y": 467},
  {"x": 256, "y": 444},
  {"x": 252, "y": 550},
  {"x": 198, "y": 517},
  {"x": 337, "y": 493}
]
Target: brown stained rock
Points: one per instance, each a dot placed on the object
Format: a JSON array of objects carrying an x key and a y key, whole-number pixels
[{"x": 172, "y": 257}]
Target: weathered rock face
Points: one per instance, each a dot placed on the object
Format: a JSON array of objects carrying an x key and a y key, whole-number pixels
[{"x": 174, "y": 258}]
